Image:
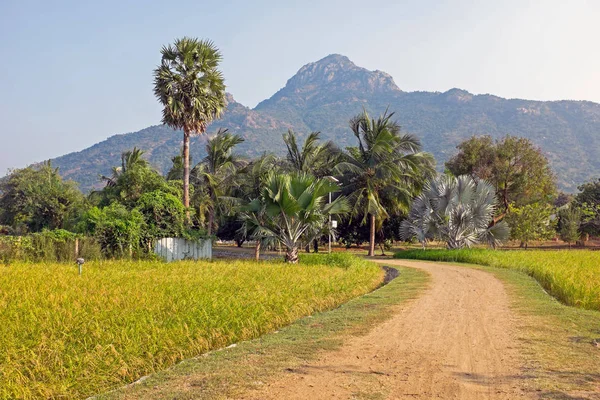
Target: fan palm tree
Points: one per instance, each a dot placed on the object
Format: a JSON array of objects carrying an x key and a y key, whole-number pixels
[
  {"x": 217, "y": 171},
  {"x": 459, "y": 211},
  {"x": 384, "y": 171},
  {"x": 192, "y": 91},
  {"x": 290, "y": 204}
]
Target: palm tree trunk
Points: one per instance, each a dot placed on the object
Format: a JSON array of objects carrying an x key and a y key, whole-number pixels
[
  {"x": 291, "y": 255},
  {"x": 186, "y": 175},
  {"x": 211, "y": 221},
  {"x": 372, "y": 236},
  {"x": 257, "y": 251}
]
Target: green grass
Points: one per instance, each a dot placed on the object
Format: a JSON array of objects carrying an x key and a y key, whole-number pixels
[
  {"x": 232, "y": 372},
  {"x": 69, "y": 336},
  {"x": 572, "y": 276}
]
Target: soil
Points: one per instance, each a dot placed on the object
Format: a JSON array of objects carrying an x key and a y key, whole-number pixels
[{"x": 456, "y": 341}]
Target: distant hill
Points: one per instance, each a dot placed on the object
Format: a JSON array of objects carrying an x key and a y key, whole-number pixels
[{"x": 323, "y": 96}]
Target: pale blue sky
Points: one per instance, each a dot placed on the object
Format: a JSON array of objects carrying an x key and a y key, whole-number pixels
[{"x": 73, "y": 73}]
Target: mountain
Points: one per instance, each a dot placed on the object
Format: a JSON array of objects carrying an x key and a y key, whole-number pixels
[{"x": 325, "y": 94}]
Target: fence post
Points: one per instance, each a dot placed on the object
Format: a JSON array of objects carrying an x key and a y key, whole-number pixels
[{"x": 76, "y": 247}]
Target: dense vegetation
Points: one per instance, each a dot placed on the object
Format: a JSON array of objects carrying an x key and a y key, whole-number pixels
[
  {"x": 65, "y": 335},
  {"x": 571, "y": 276}
]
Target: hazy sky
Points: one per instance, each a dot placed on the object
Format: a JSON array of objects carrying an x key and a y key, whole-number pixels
[{"x": 75, "y": 73}]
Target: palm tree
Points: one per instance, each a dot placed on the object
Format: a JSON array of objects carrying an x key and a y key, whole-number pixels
[
  {"x": 129, "y": 159},
  {"x": 251, "y": 181},
  {"x": 192, "y": 91},
  {"x": 217, "y": 171},
  {"x": 459, "y": 211},
  {"x": 384, "y": 171},
  {"x": 290, "y": 204},
  {"x": 317, "y": 159}
]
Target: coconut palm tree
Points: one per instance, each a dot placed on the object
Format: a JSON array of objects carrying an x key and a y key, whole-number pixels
[
  {"x": 290, "y": 204},
  {"x": 251, "y": 181},
  {"x": 217, "y": 171},
  {"x": 192, "y": 91},
  {"x": 459, "y": 211},
  {"x": 129, "y": 159},
  {"x": 317, "y": 159},
  {"x": 384, "y": 171}
]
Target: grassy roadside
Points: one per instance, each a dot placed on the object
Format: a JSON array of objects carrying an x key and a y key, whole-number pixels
[
  {"x": 556, "y": 341},
  {"x": 225, "y": 373}
]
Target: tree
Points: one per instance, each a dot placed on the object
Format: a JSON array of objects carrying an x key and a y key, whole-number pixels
[
  {"x": 192, "y": 91},
  {"x": 163, "y": 213},
  {"x": 251, "y": 182},
  {"x": 36, "y": 198},
  {"x": 517, "y": 169},
  {"x": 216, "y": 172},
  {"x": 317, "y": 159},
  {"x": 291, "y": 204},
  {"x": 384, "y": 171},
  {"x": 117, "y": 229},
  {"x": 131, "y": 181},
  {"x": 130, "y": 159},
  {"x": 570, "y": 220},
  {"x": 459, "y": 211},
  {"x": 531, "y": 222}
]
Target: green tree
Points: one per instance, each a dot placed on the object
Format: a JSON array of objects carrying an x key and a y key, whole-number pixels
[
  {"x": 531, "y": 222},
  {"x": 131, "y": 181},
  {"x": 215, "y": 175},
  {"x": 384, "y": 171},
  {"x": 36, "y": 198},
  {"x": 251, "y": 182},
  {"x": 314, "y": 158},
  {"x": 192, "y": 91},
  {"x": 117, "y": 229},
  {"x": 570, "y": 221},
  {"x": 459, "y": 211},
  {"x": 515, "y": 166},
  {"x": 163, "y": 213},
  {"x": 291, "y": 204}
]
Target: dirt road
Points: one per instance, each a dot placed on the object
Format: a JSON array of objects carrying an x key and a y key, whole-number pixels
[{"x": 454, "y": 342}]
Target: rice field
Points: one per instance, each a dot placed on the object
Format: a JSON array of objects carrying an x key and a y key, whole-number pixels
[
  {"x": 68, "y": 336},
  {"x": 572, "y": 276}
]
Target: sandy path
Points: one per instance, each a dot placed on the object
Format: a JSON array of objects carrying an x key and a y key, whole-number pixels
[{"x": 454, "y": 342}]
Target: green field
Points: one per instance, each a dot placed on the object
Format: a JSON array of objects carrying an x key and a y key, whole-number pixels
[
  {"x": 572, "y": 276},
  {"x": 70, "y": 336}
]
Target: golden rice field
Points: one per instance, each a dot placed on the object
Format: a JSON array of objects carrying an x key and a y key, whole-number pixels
[
  {"x": 68, "y": 336},
  {"x": 572, "y": 276}
]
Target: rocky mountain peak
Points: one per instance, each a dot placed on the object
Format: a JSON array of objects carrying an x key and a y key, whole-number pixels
[{"x": 336, "y": 69}]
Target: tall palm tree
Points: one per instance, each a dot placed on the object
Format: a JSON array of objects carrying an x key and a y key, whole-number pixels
[
  {"x": 317, "y": 159},
  {"x": 217, "y": 171},
  {"x": 384, "y": 170},
  {"x": 192, "y": 91}
]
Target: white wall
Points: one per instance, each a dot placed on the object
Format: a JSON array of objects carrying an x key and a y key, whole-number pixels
[{"x": 171, "y": 249}]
